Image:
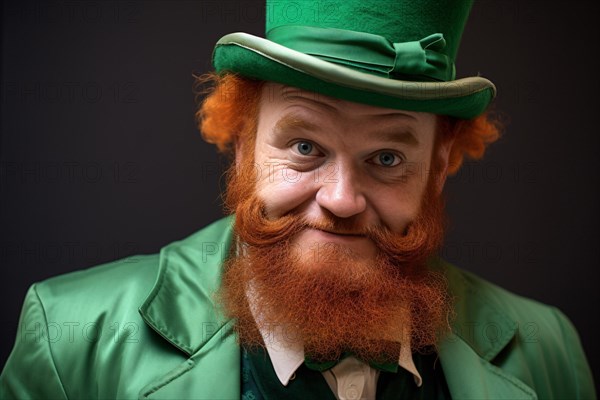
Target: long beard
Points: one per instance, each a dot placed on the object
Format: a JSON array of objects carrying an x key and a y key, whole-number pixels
[{"x": 329, "y": 299}]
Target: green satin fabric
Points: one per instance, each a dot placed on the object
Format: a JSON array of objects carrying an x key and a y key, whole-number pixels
[
  {"x": 414, "y": 60},
  {"x": 81, "y": 336},
  {"x": 84, "y": 335}
]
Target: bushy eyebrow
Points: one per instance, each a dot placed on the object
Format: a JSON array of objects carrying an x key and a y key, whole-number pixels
[
  {"x": 395, "y": 134},
  {"x": 293, "y": 122}
]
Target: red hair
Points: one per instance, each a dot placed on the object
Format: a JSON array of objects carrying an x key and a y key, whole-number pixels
[
  {"x": 471, "y": 137},
  {"x": 230, "y": 112}
]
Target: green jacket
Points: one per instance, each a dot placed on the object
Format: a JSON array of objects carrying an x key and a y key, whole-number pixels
[{"x": 146, "y": 327}]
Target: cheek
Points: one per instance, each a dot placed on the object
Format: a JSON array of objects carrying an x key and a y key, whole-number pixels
[
  {"x": 396, "y": 215},
  {"x": 283, "y": 189},
  {"x": 397, "y": 206}
]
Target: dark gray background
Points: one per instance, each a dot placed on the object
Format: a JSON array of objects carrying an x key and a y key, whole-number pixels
[{"x": 100, "y": 157}]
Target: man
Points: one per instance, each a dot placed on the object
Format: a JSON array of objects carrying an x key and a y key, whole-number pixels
[{"x": 325, "y": 283}]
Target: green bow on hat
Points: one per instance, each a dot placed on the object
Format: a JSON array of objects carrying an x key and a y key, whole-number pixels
[{"x": 389, "y": 53}]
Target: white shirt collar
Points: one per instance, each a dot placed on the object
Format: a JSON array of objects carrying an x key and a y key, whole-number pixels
[{"x": 287, "y": 356}]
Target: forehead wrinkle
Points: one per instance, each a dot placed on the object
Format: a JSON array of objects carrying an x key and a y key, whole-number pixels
[
  {"x": 395, "y": 134},
  {"x": 312, "y": 98},
  {"x": 380, "y": 125}
]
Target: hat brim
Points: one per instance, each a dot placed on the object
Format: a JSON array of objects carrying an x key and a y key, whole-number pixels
[{"x": 259, "y": 58}]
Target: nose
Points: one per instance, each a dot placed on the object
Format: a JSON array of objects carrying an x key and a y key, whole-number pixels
[{"x": 341, "y": 193}]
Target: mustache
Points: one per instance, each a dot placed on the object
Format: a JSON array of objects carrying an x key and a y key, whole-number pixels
[
  {"x": 259, "y": 230},
  {"x": 420, "y": 238}
]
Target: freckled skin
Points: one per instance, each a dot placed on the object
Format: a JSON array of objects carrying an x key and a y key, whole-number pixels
[{"x": 333, "y": 157}]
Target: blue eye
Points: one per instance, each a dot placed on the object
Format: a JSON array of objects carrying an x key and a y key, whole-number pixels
[
  {"x": 304, "y": 148},
  {"x": 388, "y": 159}
]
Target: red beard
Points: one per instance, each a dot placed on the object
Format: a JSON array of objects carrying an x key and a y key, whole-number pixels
[{"x": 329, "y": 300}]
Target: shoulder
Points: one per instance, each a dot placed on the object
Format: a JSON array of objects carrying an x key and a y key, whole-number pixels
[
  {"x": 106, "y": 289},
  {"x": 465, "y": 284},
  {"x": 66, "y": 321},
  {"x": 128, "y": 279},
  {"x": 533, "y": 341},
  {"x": 86, "y": 326},
  {"x": 531, "y": 318}
]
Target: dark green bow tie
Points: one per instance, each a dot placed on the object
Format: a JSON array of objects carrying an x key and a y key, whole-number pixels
[{"x": 325, "y": 365}]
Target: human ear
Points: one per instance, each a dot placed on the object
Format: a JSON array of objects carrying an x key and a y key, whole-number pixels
[
  {"x": 239, "y": 153},
  {"x": 442, "y": 155}
]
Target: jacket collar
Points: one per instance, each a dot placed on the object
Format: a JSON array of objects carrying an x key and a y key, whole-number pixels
[
  {"x": 190, "y": 273},
  {"x": 181, "y": 308},
  {"x": 480, "y": 331},
  {"x": 480, "y": 320}
]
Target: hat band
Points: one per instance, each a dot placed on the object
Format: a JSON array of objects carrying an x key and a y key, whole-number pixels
[{"x": 407, "y": 60}]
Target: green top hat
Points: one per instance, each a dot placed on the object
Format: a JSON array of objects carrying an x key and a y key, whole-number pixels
[{"x": 388, "y": 53}]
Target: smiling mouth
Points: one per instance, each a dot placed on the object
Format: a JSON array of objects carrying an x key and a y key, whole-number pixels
[
  {"x": 348, "y": 234},
  {"x": 357, "y": 243}
]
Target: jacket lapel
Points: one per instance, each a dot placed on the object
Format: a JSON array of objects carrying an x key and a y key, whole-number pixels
[
  {"x": 181, "y": 308},
  {"x": 480, "y": 331},
  {"x": 213, "y": 372},
  {"x": 471, "y": 377}
]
